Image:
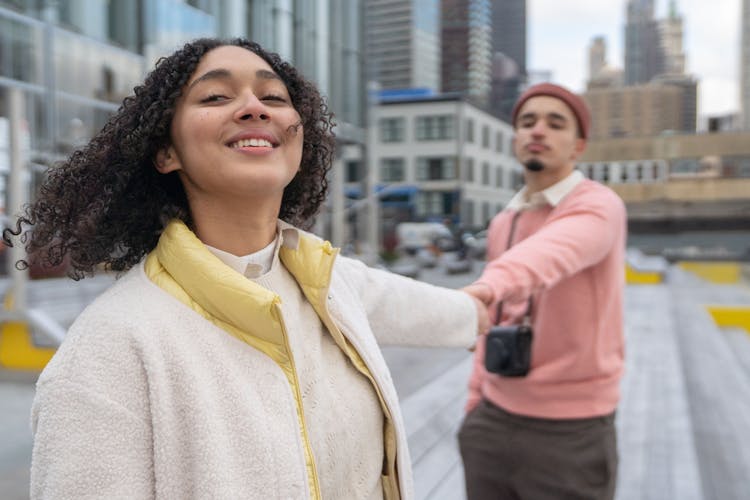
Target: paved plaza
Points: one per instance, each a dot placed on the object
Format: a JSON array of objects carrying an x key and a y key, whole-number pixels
[{"x": 683, "y": 423}]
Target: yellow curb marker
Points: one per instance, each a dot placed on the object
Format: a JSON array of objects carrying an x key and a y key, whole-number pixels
[
  {"x": 731, "y": 316},
  {"x": 714, "y": 272},
  {"x": 17, "y": 349},
  {"x": 636, "y": 277}
]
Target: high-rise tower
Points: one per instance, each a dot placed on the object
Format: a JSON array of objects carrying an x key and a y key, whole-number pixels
[
  {"x": 670, "y": 38},
  {"x": 508, "y": 55},
  {"x": 643, "y": 53},
  {"x": 402, "y": 42},
  {"x": 466, "y": 48},
  {"x": 745, "y": 65}
]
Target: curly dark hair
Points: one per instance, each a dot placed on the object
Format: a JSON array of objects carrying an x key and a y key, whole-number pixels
[{"x": 107, "y": 204}]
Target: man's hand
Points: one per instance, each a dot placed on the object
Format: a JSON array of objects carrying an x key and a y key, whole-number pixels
[
  {"x": 480, "y": 291},
  {"x": 483, "y": 317}
]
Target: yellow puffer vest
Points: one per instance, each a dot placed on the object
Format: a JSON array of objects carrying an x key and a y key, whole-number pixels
[{"x": 183, "y": 267}]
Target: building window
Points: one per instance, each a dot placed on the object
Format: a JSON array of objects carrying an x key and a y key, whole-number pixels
[
  {"x": 499, "y": 142},
  {"x": 469, "y": 130},
  {"x": 434, "y": 203},
  {"x": 436, "y": 169},
  {"x": 485, "y": 137},
  {"x": 469, "y": 169},
  {"x": 517, "y": 180},
  {"x": 392, "y": 169},
  {"x": 468, "y": 213},
  {"x": 352, "y": 171},
  {"x": 499, "y": 177},
  {"x": 486, "y": 215},
  {"x": 433, "y": 128},
  {"x": 485, "y": 173},
  {"x": 392, "y": 129}
]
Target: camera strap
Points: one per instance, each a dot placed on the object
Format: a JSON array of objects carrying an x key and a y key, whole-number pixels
[{"x": 527, "y": 315}]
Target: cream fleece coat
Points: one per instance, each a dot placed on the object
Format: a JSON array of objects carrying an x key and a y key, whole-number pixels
[{"x": 147, "y": 398}]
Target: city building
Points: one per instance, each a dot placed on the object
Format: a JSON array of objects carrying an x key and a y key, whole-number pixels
[
  {"x": 745, "y": 65},
  {"x": 658, "y": 107},
  {"x": 597, "y": 56},
  {"x": 509, "y": 30},
  {"x": 647, "y": 160},
  {"x": 466, "y": 49},
  {"x": 438, "y": 157},
  {"x": 670, "y": 38},
  {"x": 508, "y": 55},
  {"x": 653, "y": 95},
  {"x": 676, "y": 182},
  {"x": 643, "y": 54},
  {"x": 402, "y": 41},
  {"x": 75, "y": 61}
]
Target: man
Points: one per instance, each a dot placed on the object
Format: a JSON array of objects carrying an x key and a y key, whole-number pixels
[{"x": 551, "y": 434}]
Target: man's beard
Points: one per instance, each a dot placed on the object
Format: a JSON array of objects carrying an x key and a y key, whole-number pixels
[{"x": 534, "y": 165}]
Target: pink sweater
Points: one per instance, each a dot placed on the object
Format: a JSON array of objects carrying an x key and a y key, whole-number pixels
[{"x": 571, "y": 258}]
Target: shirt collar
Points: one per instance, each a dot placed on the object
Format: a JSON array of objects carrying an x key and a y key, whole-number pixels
[
  {"x": 552, "y": 196},
  {"x": 258, "y": 263}
]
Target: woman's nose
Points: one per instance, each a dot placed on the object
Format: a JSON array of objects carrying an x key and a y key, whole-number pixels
[{"x": 251, "y": 108}]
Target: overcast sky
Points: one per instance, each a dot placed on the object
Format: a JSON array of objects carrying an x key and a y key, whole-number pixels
[{"x": 560, "y": 32}]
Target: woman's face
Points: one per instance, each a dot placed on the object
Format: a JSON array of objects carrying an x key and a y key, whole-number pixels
[{"x": 235, "y": 133}]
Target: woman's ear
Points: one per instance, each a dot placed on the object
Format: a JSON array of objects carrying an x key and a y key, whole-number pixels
[{"x": 166, "y": 160}]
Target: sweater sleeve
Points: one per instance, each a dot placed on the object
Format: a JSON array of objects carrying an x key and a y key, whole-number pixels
[
  {"x": 88, "y": 446},
  {"x": 406, "y": 312},
  {"x": 579, "y": 236},
  {"x": 91, "y": 417}
]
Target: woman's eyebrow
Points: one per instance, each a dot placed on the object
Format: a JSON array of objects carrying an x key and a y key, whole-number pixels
[
  {"x": 267, "y": 75},
  {"x": 222, "y": 74},
  {"x": 214, "y": 74}
]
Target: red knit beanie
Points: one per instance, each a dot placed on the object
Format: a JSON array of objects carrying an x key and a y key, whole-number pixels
[{"x": 576, "y": 104}]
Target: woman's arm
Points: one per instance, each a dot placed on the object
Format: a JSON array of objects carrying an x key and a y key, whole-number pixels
[
  {"x": 87, "y": 445},
  {"x": 406, "y": 312}
]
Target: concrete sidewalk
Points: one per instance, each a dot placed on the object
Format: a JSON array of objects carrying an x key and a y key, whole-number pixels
[{"x": 683, "y": 421}]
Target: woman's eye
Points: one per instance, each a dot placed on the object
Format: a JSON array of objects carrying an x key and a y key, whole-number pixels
[
  {"x": 214, "y": 98},
  {"x": 273, "y": 97}
]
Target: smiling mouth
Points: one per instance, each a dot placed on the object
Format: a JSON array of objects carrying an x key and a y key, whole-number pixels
[{"x": 251, "y": 143}]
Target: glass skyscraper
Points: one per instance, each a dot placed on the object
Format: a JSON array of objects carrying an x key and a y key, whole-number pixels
[{"x": 75, "y": 60}]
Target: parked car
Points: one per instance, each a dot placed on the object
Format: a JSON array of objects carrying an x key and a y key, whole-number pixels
[
  {"x": 476, "y": 244},
  {"x": 413, "y": 236}
]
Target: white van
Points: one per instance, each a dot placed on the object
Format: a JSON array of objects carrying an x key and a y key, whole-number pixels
[{"x": 413, "y": 236}]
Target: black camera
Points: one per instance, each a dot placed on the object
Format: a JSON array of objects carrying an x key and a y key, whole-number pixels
[{"x": 508, "y": 350}]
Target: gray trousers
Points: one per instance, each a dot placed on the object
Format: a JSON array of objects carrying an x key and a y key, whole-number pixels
[{"x": 513, "y": 457}]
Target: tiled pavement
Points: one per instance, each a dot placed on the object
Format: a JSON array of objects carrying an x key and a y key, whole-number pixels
[{"x": 683, "y": 422}]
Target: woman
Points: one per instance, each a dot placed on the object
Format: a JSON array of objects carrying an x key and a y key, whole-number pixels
[{"x": 238, "y": 356}]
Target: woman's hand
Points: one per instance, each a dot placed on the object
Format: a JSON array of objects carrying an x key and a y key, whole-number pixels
[{"x": 483, "y": 317}]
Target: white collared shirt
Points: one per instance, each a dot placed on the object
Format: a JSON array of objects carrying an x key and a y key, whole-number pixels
[
  {"x": 552, "y": 196},
  {"x": 258, "y": 263}
]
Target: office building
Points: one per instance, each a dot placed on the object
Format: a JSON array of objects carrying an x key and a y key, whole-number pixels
[
  {"x": 466, "y": 49},
  {"x": 75, "y": 61},
  {"x": 402, "y": 41},
  {"x": 670, "y": 38},
  {"x": 439, "y": 157},
  {"x": 643, "y": 51},
  {"x": 508, "y": 55},
  {"x": 745, "y": 65},
  {"x": 662, "y": 106}
]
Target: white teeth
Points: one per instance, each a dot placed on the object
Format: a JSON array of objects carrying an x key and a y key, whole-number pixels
[{"x": 252, "y": 143}]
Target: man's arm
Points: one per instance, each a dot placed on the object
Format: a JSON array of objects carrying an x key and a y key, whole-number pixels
[{"x": 579, "y": 237}]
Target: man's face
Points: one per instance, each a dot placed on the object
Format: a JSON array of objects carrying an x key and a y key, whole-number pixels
[{"x": 546, "y": 131}]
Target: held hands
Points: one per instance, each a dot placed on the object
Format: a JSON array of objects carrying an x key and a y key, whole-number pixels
[
  {"x": 479, "y": 291},
  {"x": 482, "y": 295},
  {"x": 483, "y": 317}
]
